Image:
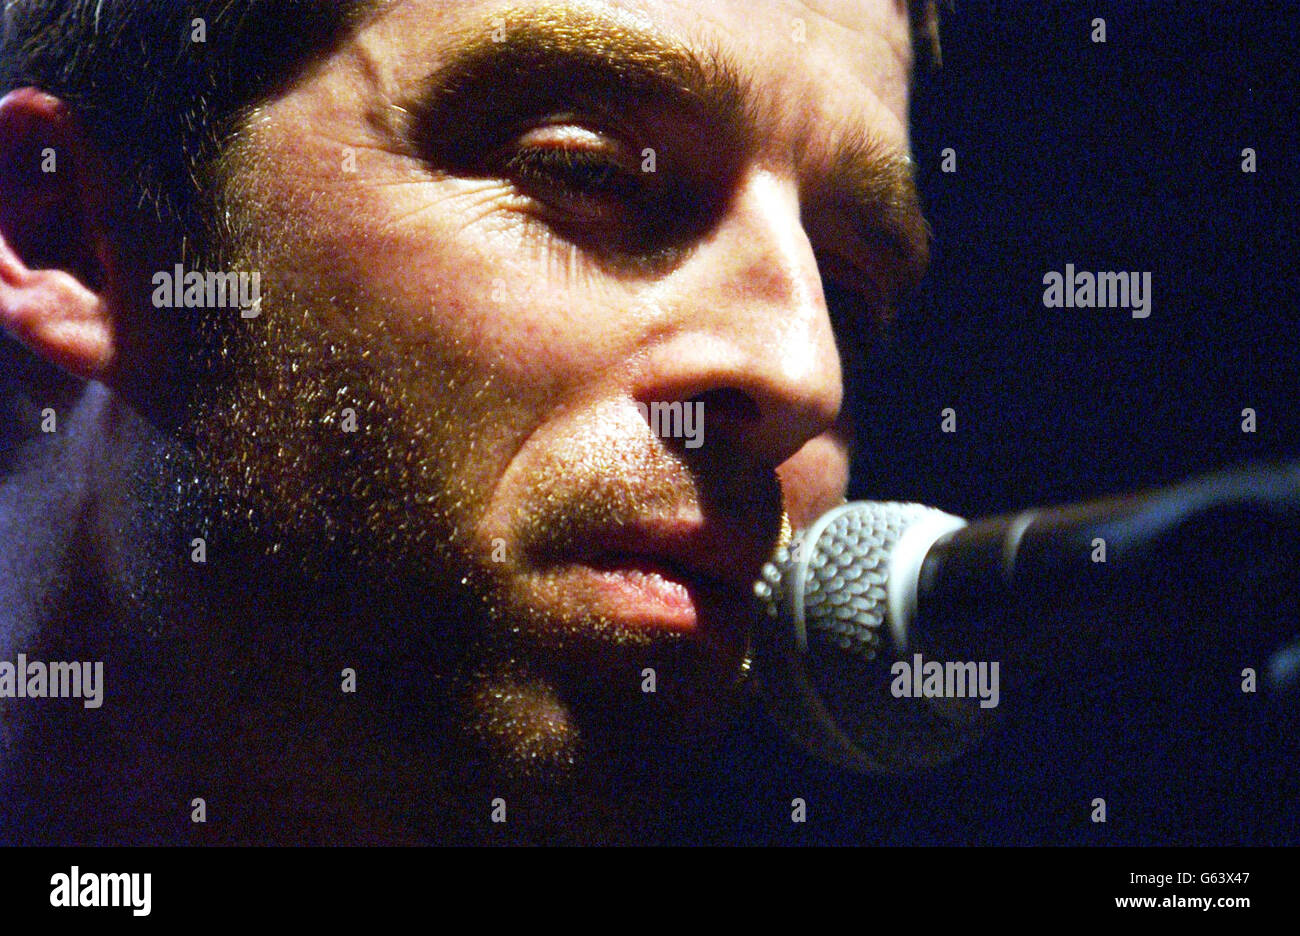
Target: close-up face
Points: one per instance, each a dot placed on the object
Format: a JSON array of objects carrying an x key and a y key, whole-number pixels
[
  {"x": 496, "y": 241},
  {"x": 537, "y": 422}
]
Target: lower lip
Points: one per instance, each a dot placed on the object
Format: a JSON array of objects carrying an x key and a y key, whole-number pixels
[{"x": 642, "y": 593}]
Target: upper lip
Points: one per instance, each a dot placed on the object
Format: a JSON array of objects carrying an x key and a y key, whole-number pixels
[{"x": 712, "y": 553}]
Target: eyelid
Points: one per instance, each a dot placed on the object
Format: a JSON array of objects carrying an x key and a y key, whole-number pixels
[
  {"x": 564, "y": 130},
  {"x": 559, "y": 165},
  {"x": 574, "y": 185},
  {"x": 574, "y": 133},
  {"x": 569, "y": 143}
]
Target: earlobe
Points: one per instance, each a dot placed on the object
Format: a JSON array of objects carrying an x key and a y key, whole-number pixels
[
  {"x": 54, "y": 315},
  {"x": 52, "y": 281}
]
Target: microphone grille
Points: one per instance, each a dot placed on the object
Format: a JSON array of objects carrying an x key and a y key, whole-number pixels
[
  {"x": 827, "y": 639},
  {"x": 832, "y": 581}
]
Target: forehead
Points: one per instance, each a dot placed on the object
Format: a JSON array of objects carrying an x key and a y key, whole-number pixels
[{"x": 841, "y": 62}]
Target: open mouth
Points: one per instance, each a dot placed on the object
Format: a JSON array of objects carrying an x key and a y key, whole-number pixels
[
  {"x": 681, "y": 571},
  {"x": 645, "y": 591}
]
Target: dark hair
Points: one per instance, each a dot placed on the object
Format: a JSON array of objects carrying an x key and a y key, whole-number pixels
[
  {"x": 159, "y": 102},
  {"x": 164, "y": 107},
  {"x": 161, "y": 105}
]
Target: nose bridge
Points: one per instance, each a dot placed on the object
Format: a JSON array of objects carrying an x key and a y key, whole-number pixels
[
  {"x": 773, "y": 259},
  {"x": 749, "y": 317}
]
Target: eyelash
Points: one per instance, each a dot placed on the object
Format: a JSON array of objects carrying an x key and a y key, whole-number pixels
[{"x": 581, "y": 175}]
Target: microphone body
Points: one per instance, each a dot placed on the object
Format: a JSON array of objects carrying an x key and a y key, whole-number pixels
[{"x": 871, "y": 594}]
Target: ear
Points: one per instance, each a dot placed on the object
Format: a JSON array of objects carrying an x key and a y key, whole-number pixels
[{"x": 55, "y": 262}]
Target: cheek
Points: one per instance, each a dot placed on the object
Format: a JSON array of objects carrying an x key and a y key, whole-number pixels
[
  {"x": 493, "y": 286},
  {"x": 444, "y": 320},
  {"x": 449, "y": 262},
  {"x": 815, "y": 479}
]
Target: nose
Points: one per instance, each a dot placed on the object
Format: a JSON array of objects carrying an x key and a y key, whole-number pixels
[{"x": 746, "y": 331}]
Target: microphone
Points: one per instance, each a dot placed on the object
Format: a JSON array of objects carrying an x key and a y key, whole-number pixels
[{"x": 886, "y": 627}]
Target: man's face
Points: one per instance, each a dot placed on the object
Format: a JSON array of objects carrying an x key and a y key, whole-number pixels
[{"x": 492, "y": 237}]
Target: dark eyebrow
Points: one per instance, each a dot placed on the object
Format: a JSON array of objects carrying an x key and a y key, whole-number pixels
[
  {"x": 558, "y": 59},
  {"x": 876, "y": 187},
  {"x": 562, "y": 59}
]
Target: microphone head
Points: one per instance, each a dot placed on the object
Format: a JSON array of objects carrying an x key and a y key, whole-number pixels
[{"x": 837, "y": 604}]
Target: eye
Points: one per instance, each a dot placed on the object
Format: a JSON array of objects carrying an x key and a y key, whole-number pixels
[
  {"x": 857, "y": 309},
  {"x": 585, "y": 183},
  {"x": 583, "y": 174},
  {"x": 593, "y": 188}
]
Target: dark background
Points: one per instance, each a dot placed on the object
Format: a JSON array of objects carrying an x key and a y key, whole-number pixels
[{"x": 1117, "y": 156}]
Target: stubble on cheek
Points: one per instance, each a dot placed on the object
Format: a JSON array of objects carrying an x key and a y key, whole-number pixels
[
  {"x": 381, "y": 532},
  {"x": 377, "y": 532},
  {"x": 372, "y": 534}
]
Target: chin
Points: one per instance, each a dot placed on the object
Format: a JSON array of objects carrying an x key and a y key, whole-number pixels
[{"x": 601, "y": 723}]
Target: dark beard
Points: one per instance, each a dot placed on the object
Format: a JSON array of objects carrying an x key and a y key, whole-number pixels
[
  {"x": 329, "y": 550},
  {"x": 253, "y": 650}
]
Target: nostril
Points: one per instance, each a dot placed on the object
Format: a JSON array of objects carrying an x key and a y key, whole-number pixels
[{"x": 727, "y": 404}]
